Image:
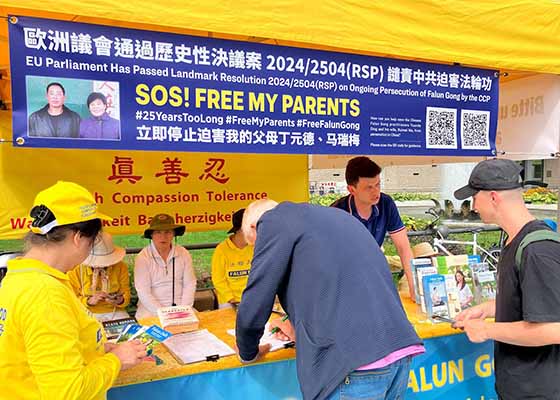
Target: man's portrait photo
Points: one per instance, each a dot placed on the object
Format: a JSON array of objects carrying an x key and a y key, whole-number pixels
[
  {"x": 54, "y": 119},
  {"x": 74, "y": 109}
]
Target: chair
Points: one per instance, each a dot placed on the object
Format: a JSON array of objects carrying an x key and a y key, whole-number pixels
[{"x": 205, "y": 300}]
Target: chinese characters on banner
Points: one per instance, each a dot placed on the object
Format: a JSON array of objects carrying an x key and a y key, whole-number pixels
[
  {"x": 174, "y": 92},
  {"x": 201, "y": 190}
]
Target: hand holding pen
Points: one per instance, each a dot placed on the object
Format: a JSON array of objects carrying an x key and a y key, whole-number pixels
[
  {"x": 283, "y": 329},
  {"x": 276, "y": 328}
]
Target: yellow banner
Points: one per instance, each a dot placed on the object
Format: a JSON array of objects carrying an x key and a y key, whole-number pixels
[
  {"x": 518, "y": 35},
  {"x": 200, "y": 190}
]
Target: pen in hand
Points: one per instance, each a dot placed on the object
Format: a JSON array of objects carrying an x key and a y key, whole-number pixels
[{"x": 276, "y": 329}]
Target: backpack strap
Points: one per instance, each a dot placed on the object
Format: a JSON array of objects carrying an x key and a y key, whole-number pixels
[{"x": 535, "y": 236}]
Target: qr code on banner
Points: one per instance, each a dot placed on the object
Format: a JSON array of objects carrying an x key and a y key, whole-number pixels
[
  {"x": 441, "y": 128},
  {"x": 475, "y": 129}
]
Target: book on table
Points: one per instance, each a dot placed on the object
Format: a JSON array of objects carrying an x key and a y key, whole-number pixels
[
  {"x": 420, "y": 274},
  {"x": 451, "y": 267},
  {"x": 178, "y": 319},
  {"x": 114, "y": 327},
  {"x": 415, "y": 264},
  {"x": 435, "y": 294},
  {"x": 484, "y": 282}
]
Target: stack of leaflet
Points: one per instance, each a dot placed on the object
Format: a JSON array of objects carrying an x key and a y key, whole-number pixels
[
  {"x": 446, "y": 285},
  {"x": 435, "y": 294},
  {"x": 460, "y": 297},
  {"x": 421, "y": 267},
  {"x": 484, "y": 283},
  {"x": 178, "y": 319},
  {"x": 149, "y": 335},
  {"x": 114, "y": 327}
]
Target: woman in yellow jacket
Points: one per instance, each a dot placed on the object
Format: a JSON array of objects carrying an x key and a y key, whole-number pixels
[
  {"x": 101, "y": 282},
  {"x": 50, "y": 347},
  {"x": 231, "y": 263}
]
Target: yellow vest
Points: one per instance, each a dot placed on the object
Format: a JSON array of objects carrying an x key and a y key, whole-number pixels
[
  {"x": 50, "y": 347},
  {"x": 230, "y": 270}
]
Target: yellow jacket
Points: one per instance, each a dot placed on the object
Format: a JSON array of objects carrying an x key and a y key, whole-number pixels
[
  {"x": 80, "y": 279},
  {"x": 50, "y": 347},
  {"x": 230, "y": 270}
]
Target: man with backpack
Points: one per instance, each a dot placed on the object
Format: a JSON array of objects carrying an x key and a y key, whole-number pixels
[{"x": 526, "y": 330}]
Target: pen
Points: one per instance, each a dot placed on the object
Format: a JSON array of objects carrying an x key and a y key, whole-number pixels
[{"x": 276, "y": 329}]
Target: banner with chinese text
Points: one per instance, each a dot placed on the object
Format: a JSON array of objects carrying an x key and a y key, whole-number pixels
[
  {"x": 89, "y": 86},
  {"x": 199, "y": 190}
]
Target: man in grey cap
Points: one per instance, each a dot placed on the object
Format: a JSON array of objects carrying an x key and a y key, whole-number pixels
[{"x": 526, "y": 330}]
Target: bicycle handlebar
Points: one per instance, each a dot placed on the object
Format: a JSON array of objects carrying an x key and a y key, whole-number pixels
[{"x": 452, "y": 231}]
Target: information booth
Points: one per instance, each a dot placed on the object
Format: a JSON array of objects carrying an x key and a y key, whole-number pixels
[{"x": 218, "y": 107}]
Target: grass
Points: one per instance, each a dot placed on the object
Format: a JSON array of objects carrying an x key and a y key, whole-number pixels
[{"x": 201, "y": 258}]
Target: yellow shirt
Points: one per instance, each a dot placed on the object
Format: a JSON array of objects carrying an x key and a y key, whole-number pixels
[
  {"x": 230, "y": 270},
  {"x": 50, "y": 347},
  {"x": 81, "y": 277}
]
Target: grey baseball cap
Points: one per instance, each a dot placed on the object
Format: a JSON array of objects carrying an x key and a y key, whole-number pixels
[{"x": 496, "y": 174}]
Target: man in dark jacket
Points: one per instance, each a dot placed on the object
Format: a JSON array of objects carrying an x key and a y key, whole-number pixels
[
  {"x": 335, "y": 285},
  {"x": 54, "y": 119}
]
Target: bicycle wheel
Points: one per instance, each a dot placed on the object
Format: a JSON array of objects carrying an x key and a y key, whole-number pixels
[{"x": 495, "y": 252}]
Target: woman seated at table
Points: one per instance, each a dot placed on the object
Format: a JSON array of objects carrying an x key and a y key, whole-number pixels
[
  {"x": 99, "y": 125},
  {"x": 163, "y": 272},
  {"x": 101, "y": 282},
  {"x": 231, "y": 263}
]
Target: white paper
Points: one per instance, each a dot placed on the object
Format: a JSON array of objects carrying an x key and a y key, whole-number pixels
[
  {"x": 267, "y": 338},
  {"x": 195, "y": 346}
]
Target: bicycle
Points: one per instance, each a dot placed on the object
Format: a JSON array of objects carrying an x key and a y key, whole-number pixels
[{"x": 441, "y": 232}]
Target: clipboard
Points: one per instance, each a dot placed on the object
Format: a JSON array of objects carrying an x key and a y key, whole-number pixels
[{"x": 196, "y": 346}]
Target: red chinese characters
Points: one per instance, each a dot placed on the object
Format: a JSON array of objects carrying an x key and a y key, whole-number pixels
[
  {"x": 122, "y": 169},
  {"x": 172, "y": 172},
  {"x": 214, "y": 170}
]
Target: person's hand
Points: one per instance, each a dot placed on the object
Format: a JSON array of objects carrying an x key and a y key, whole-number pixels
[
  {"x": 411, "y": 293},
  {"x": 476, "y": 330},
  {"x": 96, "y": 298},
  {"x": 285, "y": 329},
  {"x": 115, "y": 299},
  {"x": 476, "y": 312},
  {"x": 263, "y": 349},
  {"x": 129, "y": 353},
  {"x": 109, "y": 346}
]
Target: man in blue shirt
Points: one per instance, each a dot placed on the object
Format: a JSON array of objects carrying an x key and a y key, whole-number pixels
[
  {"x": 352, "y": 335},
  {"x": 375, "y": 210}
]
